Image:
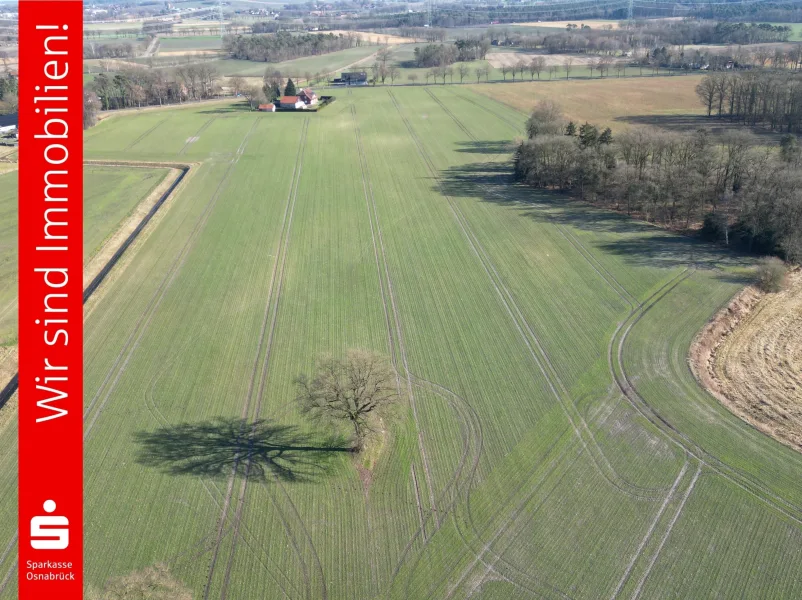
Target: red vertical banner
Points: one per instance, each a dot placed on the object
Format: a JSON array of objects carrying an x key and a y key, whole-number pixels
[{"x": 50, "y": 300}]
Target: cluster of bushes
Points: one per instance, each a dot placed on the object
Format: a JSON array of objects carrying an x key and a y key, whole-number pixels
[
  {"x": 748, "y": 195},
  {"x": 283, "y": 46}
]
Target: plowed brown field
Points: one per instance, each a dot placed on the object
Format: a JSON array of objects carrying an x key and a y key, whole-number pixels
[{"x": 750, "y": 357}]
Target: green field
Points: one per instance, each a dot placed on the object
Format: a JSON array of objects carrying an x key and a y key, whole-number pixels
[
  {"x": 191, "y": 42},
  {"x": 552, "y": 441},
  {"x": 110, "y": 194}
]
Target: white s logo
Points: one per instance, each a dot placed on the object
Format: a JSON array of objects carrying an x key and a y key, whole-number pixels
[{"x": 42, "y": 527}]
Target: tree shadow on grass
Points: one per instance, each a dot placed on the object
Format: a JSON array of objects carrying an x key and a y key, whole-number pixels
[
  {"x": 213, "y": 448},
  {"x": 691, "y": 123},
  {"x": 487, "y": 147},
  {"x": 639, "y": 243}
]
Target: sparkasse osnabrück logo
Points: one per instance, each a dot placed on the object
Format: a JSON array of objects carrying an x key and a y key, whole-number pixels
[{"x": 44, "y": 536}]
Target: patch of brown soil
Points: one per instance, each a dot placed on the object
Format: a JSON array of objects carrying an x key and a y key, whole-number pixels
[{"x": 750, "y": 358}]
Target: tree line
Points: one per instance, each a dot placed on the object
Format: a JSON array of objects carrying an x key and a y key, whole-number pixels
[
  {"x": 742, "y": 194},
  {"x": 283, "y": 46},
  {"x": 772, "y": 99},
  {"x": 111, "y": 50},
  {"x": 135, "y": 87},
  {"x": 462, "y": 50}
]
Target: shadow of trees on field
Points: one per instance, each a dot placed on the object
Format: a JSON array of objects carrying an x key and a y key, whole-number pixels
[
  {"x": 487, "y": 147},
  {"x": 691, "y": 123},
  {"x": 213, "y": 448},
  {"x": 637, "y": 242}
]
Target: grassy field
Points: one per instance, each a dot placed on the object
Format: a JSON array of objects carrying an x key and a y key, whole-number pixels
[
  {"x": 191, "y": 42},
  {"x": 552, "y": 441},
  {"x": 612, "y": 101},
  {"x": 110, "y": 195}
]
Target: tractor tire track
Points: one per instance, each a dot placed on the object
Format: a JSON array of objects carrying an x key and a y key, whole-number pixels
[
  {"x": 650, "y": 531},
  {"x": 531, "y": 340},
  {"x": 515, "y": 125},
  {"x": 278, "y": 265},
  {"x": 194, "y": 138},
  {"x": 389, "y": 293},
  {"x": 153, "y": 408},
  {"x": 732, "y": 474},
  {"x": 144, "y": 320},
  {"x": 539, "y": 587},
  {"x": 144, "y": 135},
  {"x": 469, "y": 519},
  {"x": 470, "y": 424},
  {"x": 155, "y": 299},
  {"x": 667, "y": 533},
  {"x": 740, "y": 479}
]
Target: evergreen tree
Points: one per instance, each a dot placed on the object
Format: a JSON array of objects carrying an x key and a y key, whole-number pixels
[
  {"x": 290, "y": 89},
  {"x": 606, "y": 137},
  {"x": 570, "y": 129}
]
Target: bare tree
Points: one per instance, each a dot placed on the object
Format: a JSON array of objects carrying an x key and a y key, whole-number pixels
[
  {"x": 536, "y": 66},
  {"x": 569, "y": 62},
  {"x": 553, "y": 69},
  {"x": 253, "y": 95},
  {"x": 412, "y": 77},
  {"x": 521, "y": 66},
  {"x": 357, "y": 390},
  {"x": 393, "y": 72},
  {"x": 237, "y": 84},
  {"x": 463, "y": 71}
]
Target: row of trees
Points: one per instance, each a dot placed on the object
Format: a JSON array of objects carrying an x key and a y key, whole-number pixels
[
  {"x": 111, "y": 50},
  {"x": 440, "y": 55},
  {"x": 745, "y": 194},
  {"x": 283, "y": 46},
  {"x": 771, "y": 99},
  {"x": 141, "y": 87}
]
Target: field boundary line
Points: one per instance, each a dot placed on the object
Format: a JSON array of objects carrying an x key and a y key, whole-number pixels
[
  {"x": 144, "y": 321},
  {"x": 11, "y": 386}
]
